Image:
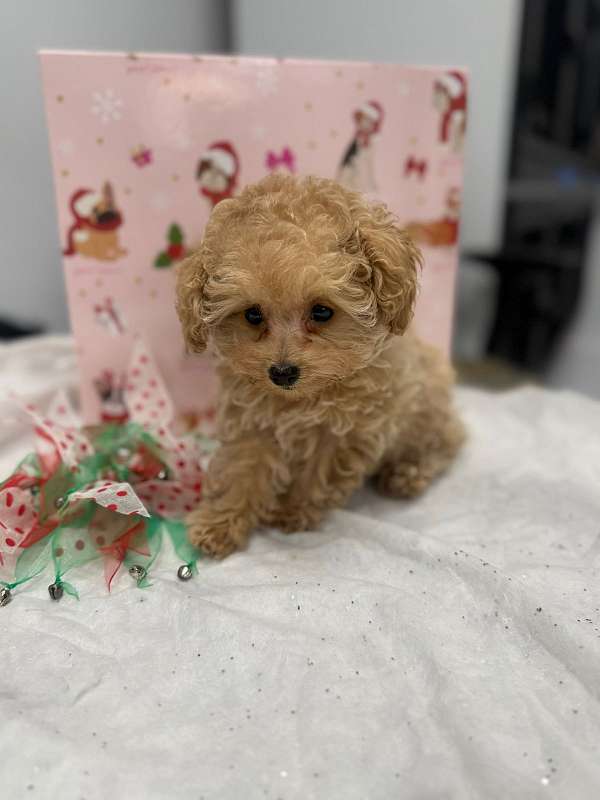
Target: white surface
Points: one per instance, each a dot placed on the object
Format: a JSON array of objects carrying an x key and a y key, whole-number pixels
[
  {"x": 31, "y": 283},
  {"x": 447, "y": 648},
  {"x": 482, "y": 35}
]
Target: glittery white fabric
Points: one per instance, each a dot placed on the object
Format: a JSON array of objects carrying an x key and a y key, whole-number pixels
[{"x": 447, "y": 648}]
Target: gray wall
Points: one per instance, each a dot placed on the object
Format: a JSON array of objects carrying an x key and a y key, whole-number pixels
[
  {"x": 31, "y": 282},
  {"x": 482, "y": 35},
  {"x": 577, "y": 365}
]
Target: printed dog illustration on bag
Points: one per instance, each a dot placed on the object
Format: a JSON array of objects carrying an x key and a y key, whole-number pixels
[
  {"x": 111, "y": 393},
  {"x": 356, "y": 170},
  {"x": 96, "y": 221},
  {"x": 450, "y": 100},
  {"x": 108, "y": 315},
  {"x": 218, "y": 172},
  {"x": 441, "y": 232}
]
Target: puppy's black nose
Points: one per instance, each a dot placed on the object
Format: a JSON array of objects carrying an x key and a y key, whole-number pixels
[{"x": 284, "y": 374}]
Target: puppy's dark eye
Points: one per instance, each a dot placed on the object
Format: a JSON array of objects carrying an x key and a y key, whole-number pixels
[
  {"x": 253, "y": 315},
  {"x": 320, "y": 313}
]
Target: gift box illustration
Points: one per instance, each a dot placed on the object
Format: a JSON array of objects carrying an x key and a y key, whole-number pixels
[{"x": 144, "y": 146}]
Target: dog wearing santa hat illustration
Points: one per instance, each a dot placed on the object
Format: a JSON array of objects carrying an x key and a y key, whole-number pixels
[
  {"x": 96, "y": 221},
  {"x": 111, "y": 393},
  {"x": 450, "y": 100},
  {"x": 218, "y": 172},
  {"x": 356, "y": 170},
  {"x": 108, "y": 316},
  {"x": 443, "y": 231}
]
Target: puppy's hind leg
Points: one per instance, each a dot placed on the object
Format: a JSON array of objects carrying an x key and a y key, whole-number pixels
[{"x": 409, "y": 468}]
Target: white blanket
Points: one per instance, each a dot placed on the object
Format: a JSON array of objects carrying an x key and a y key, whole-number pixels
[{"x": 445, "y": 648}]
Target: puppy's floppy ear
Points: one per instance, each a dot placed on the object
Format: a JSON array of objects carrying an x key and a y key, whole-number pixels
[
  {"x": 395, "y": 262},
  {"x": 191, "y": 280}
]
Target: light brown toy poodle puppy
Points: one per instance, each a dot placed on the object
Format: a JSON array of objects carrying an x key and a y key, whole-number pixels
[{"x": 306, "y": 293}]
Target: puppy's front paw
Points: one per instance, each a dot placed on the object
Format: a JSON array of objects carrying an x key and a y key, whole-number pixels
[
  {"x": 214, "y": 533},
  {"x": 292, "y": 519}
]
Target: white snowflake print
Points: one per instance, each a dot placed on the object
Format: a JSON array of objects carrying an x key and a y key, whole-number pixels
[
  {"x": 66, "y": 147},
  {"x": 259, "y": 132},
  {"x": 267, "y": 80},
  {"x": 160, "y": 200},
  {"x": 181, "y": 140},
  {"x": 107, "y": 105}
]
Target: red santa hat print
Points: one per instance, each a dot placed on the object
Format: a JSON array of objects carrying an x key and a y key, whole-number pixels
[
  {"x": 222, "y": 156},
  {"x": 451, "y": 87},
  {"x": 453, "y": 84},
  {"x": 373, "y": 110},
  {"x": 83, "y": 204}
]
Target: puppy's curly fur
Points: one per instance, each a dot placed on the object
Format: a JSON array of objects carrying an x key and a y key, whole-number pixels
[{"x": 366, "y": 403}]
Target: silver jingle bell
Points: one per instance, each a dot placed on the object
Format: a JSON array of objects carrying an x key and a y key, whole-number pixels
[
  {"x": 123, "y": 454},
  {"x": 55, "y": 590},
  {"x": 5, "y": 596},
  {"x": 162, "y": 475},
  {"x": 59, "y": 502},
  {"x": 184, "y": 573},
  {"x": 137, "y": 572}
]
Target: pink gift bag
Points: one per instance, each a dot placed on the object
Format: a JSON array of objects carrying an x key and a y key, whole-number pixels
[{"x": 143, "y": 146}]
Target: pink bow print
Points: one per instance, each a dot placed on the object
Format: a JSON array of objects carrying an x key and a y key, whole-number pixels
[
  {"x": 141, "y": 156},
  {"x": 286, "y": 159},
  {"x": 413, "y": 165}
]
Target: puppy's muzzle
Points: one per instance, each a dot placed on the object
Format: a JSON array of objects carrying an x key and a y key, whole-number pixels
[{"x": 284, "y": 375}]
